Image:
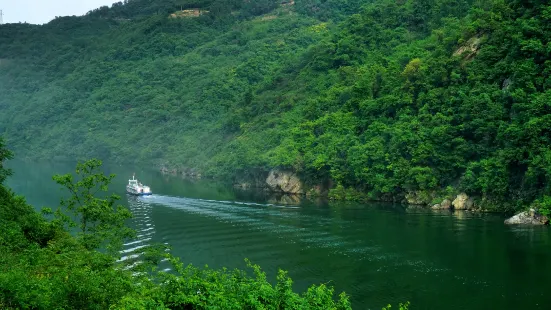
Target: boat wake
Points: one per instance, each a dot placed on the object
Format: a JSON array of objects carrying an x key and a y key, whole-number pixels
[
  {"x": 133, "y": 251},
  {"x": 286, "y": 223},
  {"x": 218, "y": 231}
]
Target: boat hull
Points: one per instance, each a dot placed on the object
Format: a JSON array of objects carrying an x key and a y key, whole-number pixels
[
  {"x": 139, "y": 194},
  {"x": 136, "y": 188}
]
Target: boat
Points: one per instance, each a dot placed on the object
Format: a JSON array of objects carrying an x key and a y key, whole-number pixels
[{"x": 134, "y": 187}]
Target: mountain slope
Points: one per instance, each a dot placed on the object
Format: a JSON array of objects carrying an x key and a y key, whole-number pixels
[{"x": 428, "y": 97}]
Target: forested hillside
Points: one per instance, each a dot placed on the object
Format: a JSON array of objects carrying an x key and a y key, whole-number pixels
[{"x": 375, "y": 98}]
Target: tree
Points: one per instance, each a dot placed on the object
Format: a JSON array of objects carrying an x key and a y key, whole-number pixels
[{"x": 100, "y": 221}]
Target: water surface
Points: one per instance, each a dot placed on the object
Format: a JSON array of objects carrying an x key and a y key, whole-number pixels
[{"x": 377, "y": 253}]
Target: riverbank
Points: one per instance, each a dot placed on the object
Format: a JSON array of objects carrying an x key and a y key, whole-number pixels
[{"x": 290, "y": 189}]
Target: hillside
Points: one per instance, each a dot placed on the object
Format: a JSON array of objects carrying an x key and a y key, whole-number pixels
[{"x": 374, "y": 99}]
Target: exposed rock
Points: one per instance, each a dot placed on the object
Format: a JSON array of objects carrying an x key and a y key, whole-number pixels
[
  {"x": 506, "y": 84},
  {"x": 413, "y": 199},
  {"x": 389, "y": 198},
  {"x": 444, "y": 205},
  {"x": 165, "y": 170},
  {"x": 419, "y": 197},
  {"x": 531, "y": 217},
  {"x": 188, "y": 13},
  {"x": 285, "y": 182},
  {"x": 463, "y": 202},
  {"x": 470, "y": 48}
]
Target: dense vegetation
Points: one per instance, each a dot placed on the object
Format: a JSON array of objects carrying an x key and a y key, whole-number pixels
[
  {"x": 43, "y": 266},
  {"x": 379, "y": 98}
]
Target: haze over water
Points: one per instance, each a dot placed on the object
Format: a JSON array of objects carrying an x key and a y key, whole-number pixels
[{"x": 377, "y": 253}]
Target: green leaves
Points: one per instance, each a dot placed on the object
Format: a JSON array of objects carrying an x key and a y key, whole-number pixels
[
  {"x": 204, "y": 288},
  {"x": 100, "y": 221}
]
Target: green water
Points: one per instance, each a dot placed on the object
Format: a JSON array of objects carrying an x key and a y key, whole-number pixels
[{"x": 377, "y": 253}]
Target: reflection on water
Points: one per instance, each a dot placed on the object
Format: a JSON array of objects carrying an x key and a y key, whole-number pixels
[
  {"x": 144, "y": 226},
  {"x": 133, "y": 250}
]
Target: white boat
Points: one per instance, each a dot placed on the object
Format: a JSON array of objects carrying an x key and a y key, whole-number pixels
[{"x": 134, "y": 187}]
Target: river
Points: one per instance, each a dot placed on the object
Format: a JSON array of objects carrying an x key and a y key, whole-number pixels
[{"x": 377, "y": 253}]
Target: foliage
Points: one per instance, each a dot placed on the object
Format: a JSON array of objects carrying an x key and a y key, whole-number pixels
[
  {"x": 194, "y": 288},
  {"x": 100, "y": 221},
  {"x": 382, "y": 97},
  {"x": 543, "y": 205},
  {"x": 43, "y": 267}
]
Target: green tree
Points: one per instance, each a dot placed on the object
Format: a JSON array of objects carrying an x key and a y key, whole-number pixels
[{"x": 100, "y": 221}]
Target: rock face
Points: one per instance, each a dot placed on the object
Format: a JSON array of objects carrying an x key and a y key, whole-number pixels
[
  {"x": 419, "y": 197},
  {"x": 285, "y": 182},
  {"x": 531, "y": 217},
  {"x": 444, "y": 205},
  {"x": 463, "y": 202},
  {"x": 413, "y": 199},
  {"x": 166, "y": 170},
  {"x": 470, "y": 48},
  {"x": 437, "y": 207}
]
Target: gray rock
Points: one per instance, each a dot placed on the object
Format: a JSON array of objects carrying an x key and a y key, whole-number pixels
[
  {"x": 285, "y": 182},
  {"x": 463, "y": 202},
  {"x": 446, "y": 204},
  {"x": 506, "y": 84},
  {"x": 531, "y": 217},
  {"x": 413, "y": 199}
]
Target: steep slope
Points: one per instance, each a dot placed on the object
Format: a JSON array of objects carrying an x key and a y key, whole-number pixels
[
  {"x": 153, "y": 83},
  {"x": 427, "y": 97},
  {"x": 460, "y": 108},
  {"x": 123, "y": 84}
]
